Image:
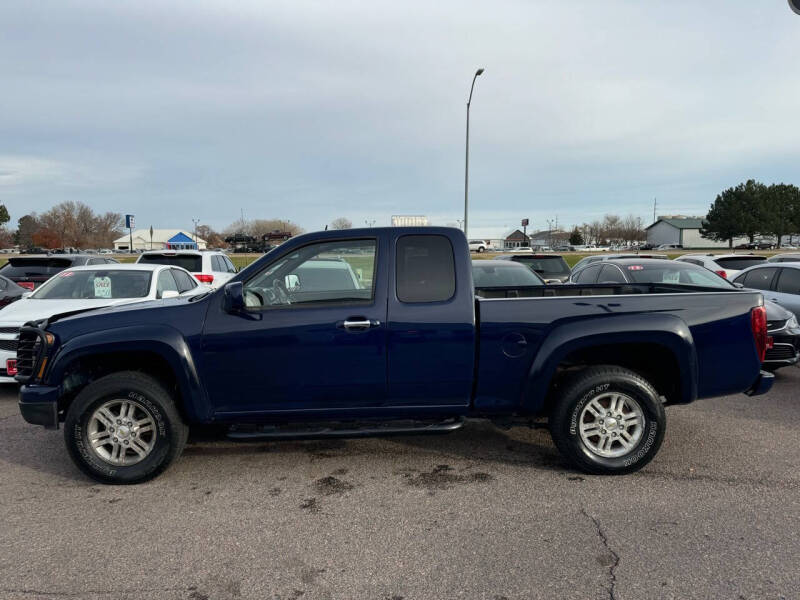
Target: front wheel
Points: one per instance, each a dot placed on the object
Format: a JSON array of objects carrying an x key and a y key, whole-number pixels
[
  {"x": 608, "y": 421},
  {"x": 124, "y": 428}
]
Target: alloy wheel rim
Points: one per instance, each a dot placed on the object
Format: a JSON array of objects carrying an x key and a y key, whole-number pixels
[
  {"x": 122, "y": 432},
  {"x": 611, "y": 424}
]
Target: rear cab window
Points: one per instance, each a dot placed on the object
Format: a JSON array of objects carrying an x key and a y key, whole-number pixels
[
  {"x": 426, "y": 269},
  {"x": 191, "y": 262}
]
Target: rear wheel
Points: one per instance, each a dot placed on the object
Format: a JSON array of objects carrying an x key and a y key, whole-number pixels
[
  {"x": 124, "y": 428},
  {"x": 608, "y": 421}
]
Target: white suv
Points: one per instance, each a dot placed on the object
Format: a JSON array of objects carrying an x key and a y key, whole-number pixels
[
  {"x": 210, "y": 267},
  {"x": 478, "y": 246},
  {"x": 724, "y": 265}
]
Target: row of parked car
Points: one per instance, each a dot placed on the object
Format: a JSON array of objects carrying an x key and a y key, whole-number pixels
[
  {"x": 38, "y": 287},
  {"x": 777, "y": 277}
]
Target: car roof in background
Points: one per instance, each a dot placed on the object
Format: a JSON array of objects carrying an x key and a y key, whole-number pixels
[
  {"x": 505, "y": 264},
  {"x": 654, "y": 262},
  {"x": 122, "y": 267},
  {"x": 713, "y": 256}
]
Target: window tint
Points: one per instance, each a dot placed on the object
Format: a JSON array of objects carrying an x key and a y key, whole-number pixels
[
  {"x": 545, "y": 266},
  {"x": 166, "y": 282},
  {"x": 217, "y": 264},
  {"x": 191, "y": 262},
  {"x": 488, "y": 273},
  {"x": 758, "y": 279},
  {"x": 426, "y": 269},
  {"x": 676, "y": 273},
  {"x": 340, "y": 271},
  {"x": 789, "y": 281},
  {"x": 185, "y": 281},
  {"x": 34, "y": 267},
  {"x": 738, "y": 263},
  {"x": 229, "y": 264},
  {"x": 588, "y": 275},
  {"x": 611, "y": 274}
]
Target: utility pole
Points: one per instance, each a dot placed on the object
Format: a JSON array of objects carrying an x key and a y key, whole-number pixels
[
  {"x": 655, "y": 205},
  {"x": 369, "y": 223},
  {"x": 466, "y": 162}
]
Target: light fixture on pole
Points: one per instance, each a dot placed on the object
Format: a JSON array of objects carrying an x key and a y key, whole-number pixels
[{"x": 478, "y": 73}]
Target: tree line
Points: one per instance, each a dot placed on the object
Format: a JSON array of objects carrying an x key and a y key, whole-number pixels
[
  {"x": 69, "y": 224},
  {"x": 612, "y": 229},
  {"x": 753, "y": 209}
]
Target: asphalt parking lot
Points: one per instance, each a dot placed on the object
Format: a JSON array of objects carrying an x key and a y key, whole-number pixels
[{"x": 481, "y": 513}]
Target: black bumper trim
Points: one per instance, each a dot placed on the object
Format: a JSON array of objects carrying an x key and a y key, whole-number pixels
[{"x": 40, "y": 413}]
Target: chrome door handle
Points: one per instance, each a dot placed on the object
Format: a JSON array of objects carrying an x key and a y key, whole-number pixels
[{"x": 359, "y": 324}]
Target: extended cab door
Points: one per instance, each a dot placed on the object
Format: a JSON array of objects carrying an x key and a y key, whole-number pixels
[
  {"x": 312, "y": 335},
  {"x": 431, "y": 321}
]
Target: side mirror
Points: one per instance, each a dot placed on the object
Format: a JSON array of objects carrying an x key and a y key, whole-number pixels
[
  {"x": 739, "y": 285},
  {"x": 26, "y": 294},
  {"x": 234, "y": 297},
  {"x": 169, "y": 294}
]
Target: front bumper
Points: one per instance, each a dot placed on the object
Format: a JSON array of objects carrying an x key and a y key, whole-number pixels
[
  {"x": 39, "y": 405},
  {"x": 762, "y": 385}
]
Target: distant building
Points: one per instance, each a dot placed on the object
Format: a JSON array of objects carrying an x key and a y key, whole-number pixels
[
  {"x": 516, "y": 239},
  {"x": 163, "y": 239},
  {"x": 683, "y": 231},
  {"x": 409, "y": 221},
  {"x": 550, "y": 238}
]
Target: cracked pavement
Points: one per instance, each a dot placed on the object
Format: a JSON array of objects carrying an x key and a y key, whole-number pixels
[{"x": 480, "y": 513}]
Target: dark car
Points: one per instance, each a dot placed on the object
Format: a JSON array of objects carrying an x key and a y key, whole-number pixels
[
  {"x": 9, "y": 291},
  {"x": 783, "y": 328},
  {"x": 550, "y": 267},
  {"x": 30, "y": 272},
  {"x": 587, "y": 260},
  {"x": 634, "y": 270}
]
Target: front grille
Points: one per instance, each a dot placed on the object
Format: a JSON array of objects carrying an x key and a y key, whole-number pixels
[
  {"x": 12, "y": 330},
  {"x": 776, "y": 324},
  {"x": 8, "y": 345},
  {"x": 781, "y": 352},
  {"x": 28, "y": 351}
]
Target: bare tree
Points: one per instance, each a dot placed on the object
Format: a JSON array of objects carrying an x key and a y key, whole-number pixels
[{"x": 341, "y": 223}]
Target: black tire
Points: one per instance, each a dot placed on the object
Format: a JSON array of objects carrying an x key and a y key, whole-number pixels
[
  {"x": 169, "y": 440},
  {"x": 582, "y": 389},
  {"x": 481, "y": 249}
]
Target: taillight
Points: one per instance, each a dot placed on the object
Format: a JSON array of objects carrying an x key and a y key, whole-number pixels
[
  {"x": 758, "y": 323},
  {"x": 28, "y": 285},
  {"x": 722, "y": 274},
  {"x": 203, "y": 278},
  {"x": 11, "y": 367}
]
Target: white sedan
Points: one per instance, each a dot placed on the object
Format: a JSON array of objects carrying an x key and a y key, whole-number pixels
[{"x": 86, "y": 287}]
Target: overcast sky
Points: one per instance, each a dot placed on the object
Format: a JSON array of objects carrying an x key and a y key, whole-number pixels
[{"x": 313, "y": 110}]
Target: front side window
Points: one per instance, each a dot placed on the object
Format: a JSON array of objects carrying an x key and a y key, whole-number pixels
[
  {"x": 327, "y": 272},
  {"x": 426, "y": 269},
  {"x": 588, "y": 275},
  {"x": 611, "y": 274},
  {"x": 758, "y": 279}
]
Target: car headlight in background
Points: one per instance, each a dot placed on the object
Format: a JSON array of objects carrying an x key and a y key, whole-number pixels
[{"x": 792, "y": 323}]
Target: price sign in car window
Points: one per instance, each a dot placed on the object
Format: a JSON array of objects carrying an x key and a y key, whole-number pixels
[
  {"x": 671, "y": 277},
  {"x": 102, "y": 287}
]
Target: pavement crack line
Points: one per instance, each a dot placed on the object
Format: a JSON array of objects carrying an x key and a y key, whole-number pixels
[{"x": 612, "y": 568}]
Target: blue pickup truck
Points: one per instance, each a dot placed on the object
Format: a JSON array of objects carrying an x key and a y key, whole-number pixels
[{"x": 380, "y": 331}]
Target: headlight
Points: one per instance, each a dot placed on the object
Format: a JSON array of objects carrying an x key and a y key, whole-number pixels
[{"x": 792, "y": 323}]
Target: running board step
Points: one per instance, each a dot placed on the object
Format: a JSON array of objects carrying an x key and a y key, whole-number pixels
[{"x": 309, "y": 431}]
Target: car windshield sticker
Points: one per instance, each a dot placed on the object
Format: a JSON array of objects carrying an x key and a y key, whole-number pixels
[
  {"x": 102, "y": 287},
  {"x": 674, "y": 277}
]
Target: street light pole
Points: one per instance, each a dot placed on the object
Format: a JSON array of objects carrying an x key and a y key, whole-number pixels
[{"x": 466, "y": 162}]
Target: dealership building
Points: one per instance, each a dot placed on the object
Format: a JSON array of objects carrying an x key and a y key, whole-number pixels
[{"x": 162, "y": 239}]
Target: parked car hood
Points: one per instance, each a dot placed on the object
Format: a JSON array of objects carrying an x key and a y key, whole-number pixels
[{"x": 32, "y": 309}]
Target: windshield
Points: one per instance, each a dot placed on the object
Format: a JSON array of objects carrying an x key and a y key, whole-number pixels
[
  {"x": 739, "y": 263},
  {"x": 545, "y": 265},
  {"x": 675, "y": 273},
  {"x": 487, "y": 275},
  {"x": 191, "y": 262},
  {"x": 95, "y": 285},
  {"x": 34, "y": 267}
]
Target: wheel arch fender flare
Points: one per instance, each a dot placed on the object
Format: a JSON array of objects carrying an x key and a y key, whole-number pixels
[
  {"x": 161, "y": 340},
  {"x": 665, "y": 330}
]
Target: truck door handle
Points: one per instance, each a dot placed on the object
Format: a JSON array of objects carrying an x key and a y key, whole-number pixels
[{"x": 358, "y": 324}]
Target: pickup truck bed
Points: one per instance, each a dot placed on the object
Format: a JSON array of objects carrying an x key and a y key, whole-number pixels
[{"x": 380, "y": 331}]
